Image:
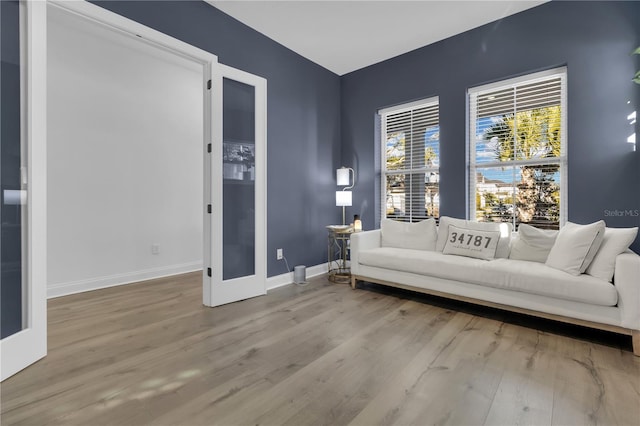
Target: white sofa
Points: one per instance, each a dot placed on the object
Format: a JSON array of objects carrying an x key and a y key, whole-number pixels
[{"x": 522, "y": 286}]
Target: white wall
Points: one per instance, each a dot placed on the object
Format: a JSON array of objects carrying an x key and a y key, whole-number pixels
[{"x": 124, "y": 159}]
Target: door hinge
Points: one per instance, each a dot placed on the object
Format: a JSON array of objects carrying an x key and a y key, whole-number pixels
[
  {"x": 209, "y": 84},
  {"x": 208, "y": 208},
  {"x": 209, "y": 147},
  {"x": 208, "y": 272}
]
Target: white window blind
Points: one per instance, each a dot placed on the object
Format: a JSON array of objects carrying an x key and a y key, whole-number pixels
[
  {"x": 517, "y": 137},
  {"x": 410, "y": 161}
]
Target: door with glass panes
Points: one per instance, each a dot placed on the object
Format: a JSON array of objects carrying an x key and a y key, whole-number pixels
[{"x": 238, "y": 188}]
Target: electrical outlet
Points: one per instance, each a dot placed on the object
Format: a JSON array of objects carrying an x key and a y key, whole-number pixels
[
  {"x": 155, "y": 249},
  {"x": 279, "y": 254}
]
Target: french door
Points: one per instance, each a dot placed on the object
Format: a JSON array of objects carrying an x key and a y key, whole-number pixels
[
  {"x": 237, "y": 171},
  {"x": 23, "y": 215}
]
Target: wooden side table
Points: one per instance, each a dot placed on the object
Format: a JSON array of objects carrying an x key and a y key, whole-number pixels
[{"x": 338, "y": 247}]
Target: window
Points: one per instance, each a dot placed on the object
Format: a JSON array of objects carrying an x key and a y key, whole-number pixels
[
  {"x": 410, "y": 161},
  {"x": 517, "y": 137}
]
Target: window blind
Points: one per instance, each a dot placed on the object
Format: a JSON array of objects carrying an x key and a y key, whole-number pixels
[
  {"x": 517, "y": 138},
  {"x": 410, "y": 161}
]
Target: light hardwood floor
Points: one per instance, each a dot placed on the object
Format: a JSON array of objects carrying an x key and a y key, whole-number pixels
[{"x": 150, "y": 353}]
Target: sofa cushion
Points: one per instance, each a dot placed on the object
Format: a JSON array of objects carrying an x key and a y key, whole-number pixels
[
  {"x": 419, "y": 235},
  {"x": 516, "y": 275},
  {"x": 575, "y": 247},
  {"x": 504, "y": 228},
  {"x": 471, "y": 243},
  {"x": 532, "y": 244},
  {"x": 615, "y": 242}
]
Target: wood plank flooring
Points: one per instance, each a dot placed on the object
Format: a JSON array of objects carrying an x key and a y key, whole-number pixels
[{"x": 150, "y": 353}]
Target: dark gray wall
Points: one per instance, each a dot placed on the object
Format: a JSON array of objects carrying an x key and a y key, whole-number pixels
[
  {"x": 594, "y": 40},
  {"x": 303, "y": 129}
]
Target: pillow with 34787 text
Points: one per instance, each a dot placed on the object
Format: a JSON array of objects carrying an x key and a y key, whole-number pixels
[{"x": 471, "y": 243}]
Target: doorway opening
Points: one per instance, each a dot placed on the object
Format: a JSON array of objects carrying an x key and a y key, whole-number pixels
[{"x": 126, "y": 137}]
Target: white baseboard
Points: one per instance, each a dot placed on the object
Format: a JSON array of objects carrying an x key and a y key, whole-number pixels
[
  {"x": 65, "y": 289},
  {"x": 287, "y": 278}
]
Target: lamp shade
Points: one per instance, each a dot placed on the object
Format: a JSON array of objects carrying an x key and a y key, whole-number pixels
[
  {"x": 343, "y": 198},
  {"x": 342, "y": 177}
]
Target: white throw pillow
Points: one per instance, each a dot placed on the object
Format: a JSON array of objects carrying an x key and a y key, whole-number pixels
[
  {"x": 504, "y": 229},
  {"x": 472, "y": 242},
  {"x": 418, "y": 236},
  {"x": 532, "y": 244},
  {"x": 615, "y": 242},
  {"x": 575, "y": 247}
]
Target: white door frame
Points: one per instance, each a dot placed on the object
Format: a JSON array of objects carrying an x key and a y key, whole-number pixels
[
  {"x": 172, "y": 45},
  {"x": 227, "y": 291},
  {"x": 29, "y": 345}
]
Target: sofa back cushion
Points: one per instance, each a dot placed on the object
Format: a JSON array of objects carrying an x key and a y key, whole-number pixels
[
  {"x": 504, "y": 228},
  {"x": 576, "y": 246},
  {"x": 615, "y": 242},
  {"x": 532, "y": 244},
  {"x": 418, "y": 235}
]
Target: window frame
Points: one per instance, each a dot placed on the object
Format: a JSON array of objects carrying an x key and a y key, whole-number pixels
[
  {"x": 383, "y": 113},
  {"x": 472, "y": 94}
]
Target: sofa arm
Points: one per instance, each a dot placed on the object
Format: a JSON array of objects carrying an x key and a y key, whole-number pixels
[
  {"x": 627, "y": 281},
  {"x": 362, "y": 241}
]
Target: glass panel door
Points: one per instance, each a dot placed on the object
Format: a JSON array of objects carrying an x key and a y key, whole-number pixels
[
  {"x": 238, "y": 185},
  {"x": 23, "y": 266},
  {"x": 13, "y": 157}
]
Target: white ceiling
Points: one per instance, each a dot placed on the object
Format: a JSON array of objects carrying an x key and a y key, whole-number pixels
[{"x": 347, "y": 35}]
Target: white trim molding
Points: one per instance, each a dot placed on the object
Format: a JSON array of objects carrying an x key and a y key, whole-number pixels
[
  {"x": 73, "y": 287},
  {"x": 135, "y": 30},
  {"x": 65, "y": 289}
]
